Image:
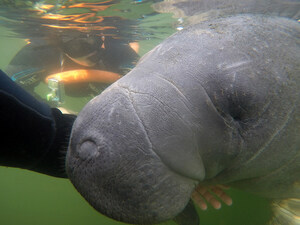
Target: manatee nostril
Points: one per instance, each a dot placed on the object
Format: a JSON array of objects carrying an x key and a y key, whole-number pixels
[
  {"x": 237, "y": 117},
  {"x": 88, "y": 149}
]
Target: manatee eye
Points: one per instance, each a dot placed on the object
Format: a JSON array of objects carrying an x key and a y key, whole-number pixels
[
  {"x": 237, "y": 117},
  {"x": 237, "y": 112},
  {"x": 87, "y": 149}
]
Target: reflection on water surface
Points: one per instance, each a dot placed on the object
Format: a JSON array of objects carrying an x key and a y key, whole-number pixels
[{"x": 95, "y": 42}]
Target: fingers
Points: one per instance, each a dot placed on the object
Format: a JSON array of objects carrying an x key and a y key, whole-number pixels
[
  {"x": 199, "y": 200},
  {"x": 203, "y": 195},
  {"x": 218, "y": 191}
]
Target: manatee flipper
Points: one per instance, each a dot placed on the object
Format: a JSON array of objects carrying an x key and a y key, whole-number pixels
[
  {"x": 188, "y": 216},
  {"x": 286, "y": 212}
]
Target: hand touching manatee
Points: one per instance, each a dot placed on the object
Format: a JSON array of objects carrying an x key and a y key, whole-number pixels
[
  {"x": 212, "y": 195},
  {"x": 202, "y": 196},
  {"x": 217, "y": 103}
]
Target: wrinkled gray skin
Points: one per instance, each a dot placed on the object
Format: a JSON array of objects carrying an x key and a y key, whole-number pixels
[
  {"x": 195, "y": 11},
  {"x": 218, "y": 103}
]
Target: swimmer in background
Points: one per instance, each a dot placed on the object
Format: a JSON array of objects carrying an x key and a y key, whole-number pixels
[{"x": 40, "y": 58}]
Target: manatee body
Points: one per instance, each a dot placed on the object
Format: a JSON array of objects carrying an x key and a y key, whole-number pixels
[
  {"x": 192, "y": 12},
  {"x": 217, "y": 103}
]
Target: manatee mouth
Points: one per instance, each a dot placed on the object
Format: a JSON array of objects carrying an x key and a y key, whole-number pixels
[
  {"x": 136, "y": 192},
  {"x": 117, "y": 172}
]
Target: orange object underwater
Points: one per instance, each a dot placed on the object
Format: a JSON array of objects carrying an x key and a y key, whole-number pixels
[
  {"x": 135, "y": 46},
  {"x": 80, "y": 76}
]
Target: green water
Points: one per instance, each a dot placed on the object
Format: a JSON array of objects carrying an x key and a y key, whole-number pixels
[{"x": 29, "y": 198}]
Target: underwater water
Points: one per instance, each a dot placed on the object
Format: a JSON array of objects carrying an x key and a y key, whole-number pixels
[{"x": 29, "y": 198}]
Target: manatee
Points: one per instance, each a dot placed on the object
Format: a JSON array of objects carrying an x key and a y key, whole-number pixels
[
  {"x": 216, "y": 103},
  {"x": 194, "y": 11}
]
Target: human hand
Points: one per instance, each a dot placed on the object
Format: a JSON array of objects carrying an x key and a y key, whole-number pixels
[{"x": 211, "y": 194}]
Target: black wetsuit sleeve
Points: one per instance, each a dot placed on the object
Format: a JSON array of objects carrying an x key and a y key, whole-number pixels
[{"x": 33, "y": 136}]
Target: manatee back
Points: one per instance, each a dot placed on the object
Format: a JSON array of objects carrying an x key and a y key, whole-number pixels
[
  {"x": 203, "y": 10},
  {"x": 247, "y": 69}
]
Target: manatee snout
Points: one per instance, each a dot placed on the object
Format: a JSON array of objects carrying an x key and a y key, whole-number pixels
[{"x": 111, "y": 162}]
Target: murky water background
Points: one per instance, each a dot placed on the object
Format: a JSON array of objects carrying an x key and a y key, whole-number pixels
[{"x": 28, "y": 198}]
